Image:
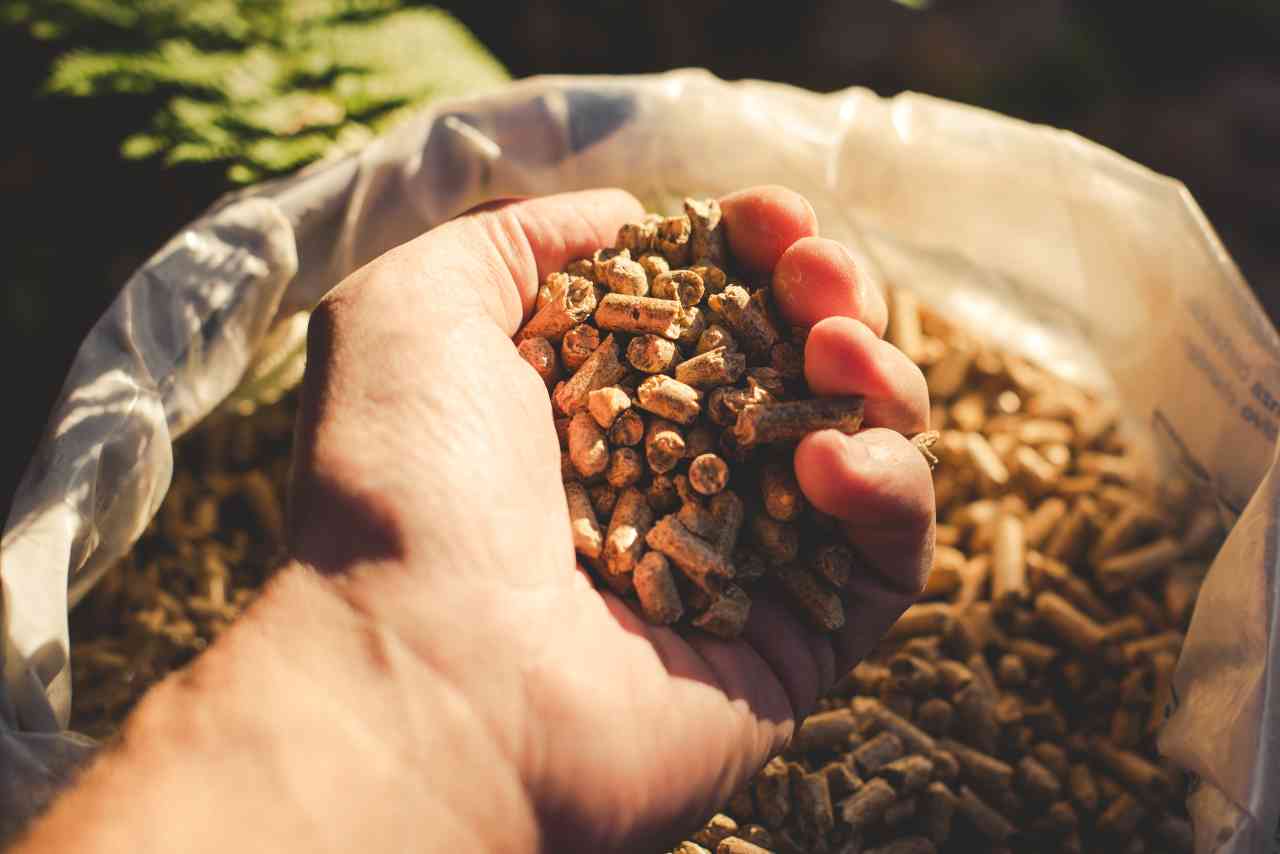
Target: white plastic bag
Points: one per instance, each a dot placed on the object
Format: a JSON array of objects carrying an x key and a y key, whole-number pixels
[{"x": 1059, "y": 248}]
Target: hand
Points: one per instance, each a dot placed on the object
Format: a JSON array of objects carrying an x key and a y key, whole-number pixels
[{"x": 427, "y": 472}]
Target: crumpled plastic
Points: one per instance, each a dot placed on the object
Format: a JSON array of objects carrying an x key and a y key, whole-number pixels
[{"x": 1059, "y": 248}]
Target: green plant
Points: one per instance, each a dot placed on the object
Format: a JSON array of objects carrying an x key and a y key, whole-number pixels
[{"x": 264, "y": 86}]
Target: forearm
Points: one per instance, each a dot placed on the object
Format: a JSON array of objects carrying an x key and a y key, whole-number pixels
[{"x": 307, "y": 727}]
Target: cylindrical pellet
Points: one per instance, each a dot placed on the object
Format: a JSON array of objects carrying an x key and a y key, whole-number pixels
[
  {"x": 778, "y": 541},
  {"x": 669, "y": 398},
  {"x": 621, "y": 275},
  {"x": 541, "y": 356},
  {"x": 1008, "y": 563},
  {"x": 793, "y": 420},
  {"x": 782, "y": 497},
  {"x": 701, "y": 563},
  {"x": 663, "y": 445},
  {"x": 1068, "y": 623},
  {"x": 627, "y": 430},
  {"x": 1129, "y": 568},
  {"x": 747, "y": 318},
  {"x": 713, "y": 368},
  {"x": 708, "y": 474},
  {"x": 656, "y": 590},
  {"x": 728, "y": 512},
  {"x": 624, "y": 544},
  {"x": 587, "y": 536},
  {"x": 626, "y": 467},
  {"x": 588, "y": 448},
  {"x": 984, "y": 819},
  {"x": 652, "y": 354},
  {"x": 820, "y": 605},
  {"x": 606, "y": 404},
  {"x": 638, "y": 315}
]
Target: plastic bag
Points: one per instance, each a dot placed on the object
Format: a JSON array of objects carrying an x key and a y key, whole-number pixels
[{"x": 1061, "y": 249}]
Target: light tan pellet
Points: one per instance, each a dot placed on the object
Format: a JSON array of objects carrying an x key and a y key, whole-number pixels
[
  {"x": 683, "y": 286},
  {"x": 621, "y": 275},
  {"x": 715, "y": 336},
  {"x": 624, "y": 543},
  {"x": 639, "y": 315},
  {"x": 568, "y": 307},
  {"x": 708, "y": 474},
  {"x": 625, "y": 468},
  {"x": 606, "y": 404},
  {"x": 669, "y": 398},
  {"x": 1070, "y": 625},
  {"x": 588, "y": 448},
  {"x": 713, "y": 368},
  {"x": 578, "y": 345},
  {"x": 674, "y": 233},
  {"x": 707, "y": 244}
]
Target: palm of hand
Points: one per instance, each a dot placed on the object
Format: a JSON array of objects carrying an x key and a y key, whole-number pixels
[{"x": 426, "y": 443}]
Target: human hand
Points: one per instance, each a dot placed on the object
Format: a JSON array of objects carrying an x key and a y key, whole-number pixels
[{"x": 427, "y": 478}]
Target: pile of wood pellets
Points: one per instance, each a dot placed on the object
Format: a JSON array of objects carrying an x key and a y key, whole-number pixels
[
  {"x": 1013, "y": 709},
  {"x": 678, "y": 400}
]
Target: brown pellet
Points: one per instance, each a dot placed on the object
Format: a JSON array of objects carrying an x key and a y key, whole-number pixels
[
  {"x": 908, "y": 774},
  {"x": 656, "y": 589},
  {"x": 824, "y": 731},
  {"x": 878, "y": 752},
  {"x": 1071, "y": 539},
  {"x": 1129, "y": 568},
  {"x": 811, "y": 805},
  {"x": 1043, "y": 520},
  {"x": 708, "y": 474},
  {"x": 1008, "y": 563},
  {"x": 738, "y": 845},
  {"x": 652, "y": 354},
  {"x": 717, "y": 828},
  {"x": 603, "y": 498},
  {"x": 782, "y": 497},
  {"x": 922, "y": 619},
  {"x": 663, "y": 445},
  {"x": 1083, "y": 787},
  {"x": 937, "y": 806},
  {"x": 1121, "y": 817},
  {"x": 748, "y": 318},
  {"x": 541, "y": 356},
  {"x": 881, "y": 718},
  {"x": 729, "y": 514},
  {"x": 602, "y": 368},
  {"x": 727, "y": 614},
  {"x": 834, "y": 563},
  {"x": 624, "y": 544},
  {"x": 793, "y": 420},
  {"x": 714, "y": 337},
  {"x": 1141, "y": 775},
  {"x": 1068, "y": 623},
  {"x": 672, "y": 240},
  {"x": 625, "y": 468},
  {"x": 778, "y": 541},
  {"x": 867, "y": 805},
  {"x": 565, "y": 309},
  {"x": 627, "y": 430},
  {"x": 820, "y": 605},
  {"x": 984, "y": 818},
  {"x": 683, "y": 286},
  {"x": 1037, "y": 781},
  {"x": 637, "y": 237},
  {"x": 707, "y": 242},
  {"x": 621, "y": 275},
  {"x": 713, "y": 368},
  {"x": 701, "y": 563},
  {"x": 587, "y": 536}
]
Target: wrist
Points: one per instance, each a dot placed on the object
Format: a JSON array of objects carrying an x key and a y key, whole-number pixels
[{"x": 308, "y": 726}]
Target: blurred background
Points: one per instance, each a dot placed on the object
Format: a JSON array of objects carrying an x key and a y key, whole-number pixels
[{"x": 128, "y": 117}]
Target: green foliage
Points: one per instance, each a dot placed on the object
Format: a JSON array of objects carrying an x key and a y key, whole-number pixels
[{"x": 264, "y": 86}]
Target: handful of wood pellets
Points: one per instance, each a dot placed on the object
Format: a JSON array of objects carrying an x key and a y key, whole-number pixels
[{"x": 679, "y": 399}]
